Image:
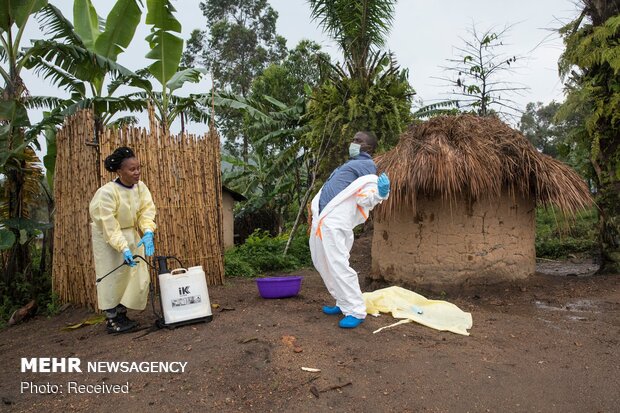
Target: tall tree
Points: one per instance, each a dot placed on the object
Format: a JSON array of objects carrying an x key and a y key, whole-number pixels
[
  {"x": 539, "y": 127},
  {"x": 241, "y": 43},
  {"x": 590, "y": 66},
  {"x": 557, "y": 136},
  {"x": 192, "y": 55},
  {"x": 359, "y": 27},
  {"x": 367, "y": 91},
  {"x": 479, "y": 74},
  {"x": 304, "y": 66}
]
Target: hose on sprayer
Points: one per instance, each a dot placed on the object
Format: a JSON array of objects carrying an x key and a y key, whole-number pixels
[{"x": 151, "y": 288}]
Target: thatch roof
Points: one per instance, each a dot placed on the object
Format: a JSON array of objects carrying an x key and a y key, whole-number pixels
[{"x": 479, "y": 158}]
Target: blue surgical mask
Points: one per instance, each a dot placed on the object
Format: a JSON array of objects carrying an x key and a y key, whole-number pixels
[{"x": 354, "y": 149}]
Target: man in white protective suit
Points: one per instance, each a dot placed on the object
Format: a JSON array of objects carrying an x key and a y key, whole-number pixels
[{"x": 344, "y": 201}]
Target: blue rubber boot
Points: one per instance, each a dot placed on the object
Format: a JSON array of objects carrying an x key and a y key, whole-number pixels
[
  {"x": 350, "y": 322},
  {"x": 335, "y": 310}
]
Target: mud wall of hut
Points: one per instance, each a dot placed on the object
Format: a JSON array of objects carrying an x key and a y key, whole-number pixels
[
  {"x": 449, "y": 244},
  {"x": 183, "y": 175},
  {"x": 228, "y": 224}
]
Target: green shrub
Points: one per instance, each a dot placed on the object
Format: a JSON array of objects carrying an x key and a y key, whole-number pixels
[
  {"x": 21, "y": 289},
  {"x": 557, "y": 237},
  {"x": 236, "y": 266},
  {"x": 261, "y": 253}
]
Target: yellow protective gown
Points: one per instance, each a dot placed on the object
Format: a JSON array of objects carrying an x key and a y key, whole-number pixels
[
  {"x": 117, "y": 213},
  {"x": 331, "y": 239},
  {"x": 410, "y": 306}
]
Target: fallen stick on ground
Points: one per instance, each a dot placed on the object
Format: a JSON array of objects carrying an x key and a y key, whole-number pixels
[
  {"x": 405, "y": 321},
  {"x": 336, "y": 387}
]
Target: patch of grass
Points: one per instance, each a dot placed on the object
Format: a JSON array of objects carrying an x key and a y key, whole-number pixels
[
  {"x": 557, "y": 237},
  {"x": 262, "y": 253}
]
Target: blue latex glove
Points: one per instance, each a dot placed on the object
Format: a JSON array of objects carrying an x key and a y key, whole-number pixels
[
  {"x": 129, "y": 258},
  {"x": 383, "y": 183},
  {"x": 147, "y": 241}
]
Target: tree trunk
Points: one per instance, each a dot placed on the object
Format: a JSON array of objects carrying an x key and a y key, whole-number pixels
[
  {"x": 608, "y": 200},
  {"x": 47, "y": 249},
  {"x": 245, "y": 149},
  {"x": 606, "y": 157},
  {"x": 18, "y": 254},
  {"x": 601, "y": 10}
]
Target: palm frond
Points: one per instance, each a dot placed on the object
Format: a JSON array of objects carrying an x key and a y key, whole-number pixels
[
  {"x": 79, "y": 62},
  {"x": 139, "y": 79},
  {"x": 43, "y": 102},
  {"x": 2, "y": 54},
  {"x": 191, "y": 107},
  {"x": 56, "y": 26},
  {"x": 113, "y": 105},
  {"x": 57, "y": 76},
  {"x": 357, "y": 26},
  {"x": 236, "y": 102},
  {"x": 52, "y": 120},
  {"x": 123, "y": 121},
  {"x": 108, "y": 106},
  {"x": 446, "y": 107}
]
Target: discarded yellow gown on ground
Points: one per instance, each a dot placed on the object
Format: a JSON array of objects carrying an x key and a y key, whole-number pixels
[{"x": 405, "y": 304}]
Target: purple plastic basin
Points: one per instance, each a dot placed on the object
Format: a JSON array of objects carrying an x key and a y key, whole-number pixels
[{"x": 279, "y": 287}]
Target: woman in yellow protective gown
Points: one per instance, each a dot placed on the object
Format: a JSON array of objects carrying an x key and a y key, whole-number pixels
[{"x": 118, "y": 211}]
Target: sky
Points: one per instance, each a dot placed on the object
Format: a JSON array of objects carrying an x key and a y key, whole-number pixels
[{"x": 423, "y": 37}]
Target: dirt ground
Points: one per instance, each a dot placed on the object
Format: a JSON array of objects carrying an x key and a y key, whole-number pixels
[{"x": 550, "y": 344}]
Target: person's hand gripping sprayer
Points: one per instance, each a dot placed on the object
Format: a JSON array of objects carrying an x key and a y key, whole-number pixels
[
  {"x": 149, "y": 248},
  {"x": 128, "y": 257}
]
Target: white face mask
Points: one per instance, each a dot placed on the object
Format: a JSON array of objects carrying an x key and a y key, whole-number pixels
[{"x": 354, "y": 149}]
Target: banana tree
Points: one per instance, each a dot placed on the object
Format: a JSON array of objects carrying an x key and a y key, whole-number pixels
[
  {"x": 80, "y": 58},
  {"x": 368, "y": 90},
  {"x": 168, "y": 106},
  {"x": 166, "y": 48},
  {"x": 16, "y": 154}
]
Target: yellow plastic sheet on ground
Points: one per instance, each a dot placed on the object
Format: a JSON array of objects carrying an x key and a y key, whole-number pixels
[{"x": 409, "y": 306}]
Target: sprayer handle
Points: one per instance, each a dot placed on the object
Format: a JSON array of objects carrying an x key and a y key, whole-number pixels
[{"x": 182, "y": 271}]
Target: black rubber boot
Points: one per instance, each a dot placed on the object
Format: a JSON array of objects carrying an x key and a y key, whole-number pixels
[
  {"x": 119, "y": 325},
  {"x": 122, "y": 317}
]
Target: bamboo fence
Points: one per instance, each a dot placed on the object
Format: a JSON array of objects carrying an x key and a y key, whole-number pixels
[{"x": 181, "y": 171}]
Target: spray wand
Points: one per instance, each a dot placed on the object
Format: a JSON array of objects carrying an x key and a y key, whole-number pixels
[{"x": 124, "y": 263}]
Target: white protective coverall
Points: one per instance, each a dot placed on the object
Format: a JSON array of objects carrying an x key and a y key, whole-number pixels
[
  {"x": 331, "y": 239},
  {"x": 117, "y": 212}
]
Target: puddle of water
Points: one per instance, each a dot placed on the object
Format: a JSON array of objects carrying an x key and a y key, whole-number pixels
[
  {"x": 579, "y": 306},
  {"x": 576, "y": 318},
  {"x": 583, "y": 306},
  {"x": 545, "y": 306},
  {"x": 566, "y": 268}
]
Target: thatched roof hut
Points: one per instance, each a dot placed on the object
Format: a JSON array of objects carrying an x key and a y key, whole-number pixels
[{"x": 462, "y": 205}]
